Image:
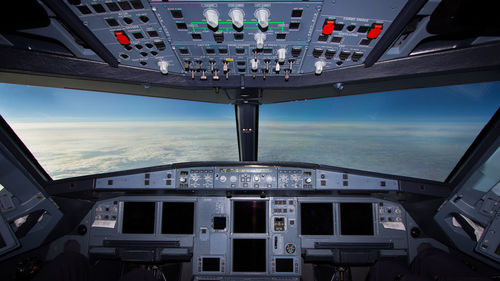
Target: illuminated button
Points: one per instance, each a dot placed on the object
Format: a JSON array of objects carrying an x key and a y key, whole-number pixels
[
  {"x": 328, "y": 27},
  {"x": 374, "y": 31},
  {"x": 223, "y": 179},
  {"x": 122, "y": 38}
]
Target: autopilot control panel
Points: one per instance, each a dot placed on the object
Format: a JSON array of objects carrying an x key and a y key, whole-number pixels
[{"x": 218, "y": 39}]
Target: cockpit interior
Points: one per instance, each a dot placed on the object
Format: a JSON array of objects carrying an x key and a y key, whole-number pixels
[{"x": 283, "y": 140}]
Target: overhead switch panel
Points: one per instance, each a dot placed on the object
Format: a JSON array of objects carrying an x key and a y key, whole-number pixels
[{"x": 258, "y": 39}]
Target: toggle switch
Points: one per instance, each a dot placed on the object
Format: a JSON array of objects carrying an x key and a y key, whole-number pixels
[
  {"x": 260, "y": 38},
  {"x": 319, "y": 67},
  {"x": 281, "y": 55},
  {"x": 163, "y": 66}
]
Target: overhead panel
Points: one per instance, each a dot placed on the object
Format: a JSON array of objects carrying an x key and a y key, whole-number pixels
[{"x": 214, "y": 40}]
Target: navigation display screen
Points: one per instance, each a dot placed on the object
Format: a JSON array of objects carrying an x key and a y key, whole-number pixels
[
  {"x": 316, "y": 218},
  {"x": 284, "y": 265},
  {"x": 249, "y": 255},
  {"x": 139, "y": 217},
  {"x": 356, "y": 219},
  {"x": 249, "y": 216},
  {"x": 177, "y": 218},
  {"x": 211, "y": 264}
]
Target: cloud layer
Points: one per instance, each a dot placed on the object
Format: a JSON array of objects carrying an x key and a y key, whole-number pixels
[
  {"x": 75, "y": 149},
  {"x": 424, "y": 150}
]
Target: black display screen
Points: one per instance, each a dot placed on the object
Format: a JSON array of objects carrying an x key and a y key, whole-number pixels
[
  {"x": 219, "y": 223},
  {"x": 2, "y": 242},
  {"x": 316, "y": 218},
  {"x": 178, "y": 218},
  {"x": 356, "y": 219},
  {"x": 249, "y": 216},
  {"x": 498, "y": 250},
  {"x": 284, "y": 265},
  {"x": 211, "y": 264},
  {"x": 139, "y": 217},
  {"x": 249, "y": 255}
]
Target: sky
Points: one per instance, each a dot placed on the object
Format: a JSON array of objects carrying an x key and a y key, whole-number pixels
[{"x": 418, "y": 133}]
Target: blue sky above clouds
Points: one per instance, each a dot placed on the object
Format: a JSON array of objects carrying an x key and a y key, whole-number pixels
[{"x": 419, "y": 133}]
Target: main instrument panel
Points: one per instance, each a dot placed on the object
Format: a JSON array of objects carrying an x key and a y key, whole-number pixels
[
  {"x": 218, "y": 39},
  {"x": 248, "y": 236},
  {"x": 245, "y": 222}
]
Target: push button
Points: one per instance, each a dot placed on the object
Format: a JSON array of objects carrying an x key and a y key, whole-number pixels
[
  {"x": 122, "y": 38},
  {"x": 374, "y": 31},
  {"x": 328, "y": 27}
]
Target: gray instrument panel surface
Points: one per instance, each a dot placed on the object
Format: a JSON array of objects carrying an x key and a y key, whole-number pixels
[
  {"x": 247, "y": 178},
  {"x": 282, "y": 234},
  {"x": 176, "y": 32}
]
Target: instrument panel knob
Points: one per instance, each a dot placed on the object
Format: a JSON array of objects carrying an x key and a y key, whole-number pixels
[
  {"x": 262, "y": 16},
  {"x": 237, "y": 16},
  {"x": 212, "y": 17},
  {"x": 281, "y": 55},
  {"x": 260, "y": 38},
  {"x": 163, "y": 66},
  {"x": 319, "y": 67}
]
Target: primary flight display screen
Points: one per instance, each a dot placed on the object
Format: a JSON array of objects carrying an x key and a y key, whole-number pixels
[
  {"x": 177, "y": 218},
  {"x": 316, "y": 218},
  {"x": 250, "y": 216},
  {"x": 249, "y": 255},
  {"x": 139, "y": 217},
  {"x": 356, "y": 218}
]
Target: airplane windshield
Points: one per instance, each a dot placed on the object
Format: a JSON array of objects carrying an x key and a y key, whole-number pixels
[
  {"x": 419, "y": 133},
  {"x": 74, "y": 133}
]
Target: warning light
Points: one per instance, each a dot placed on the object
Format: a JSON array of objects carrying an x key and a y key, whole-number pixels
[
  {"x": 122, "y": 38},
  {"x": 374, "y": 31},
  {"x": 328, "y": 27}
]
